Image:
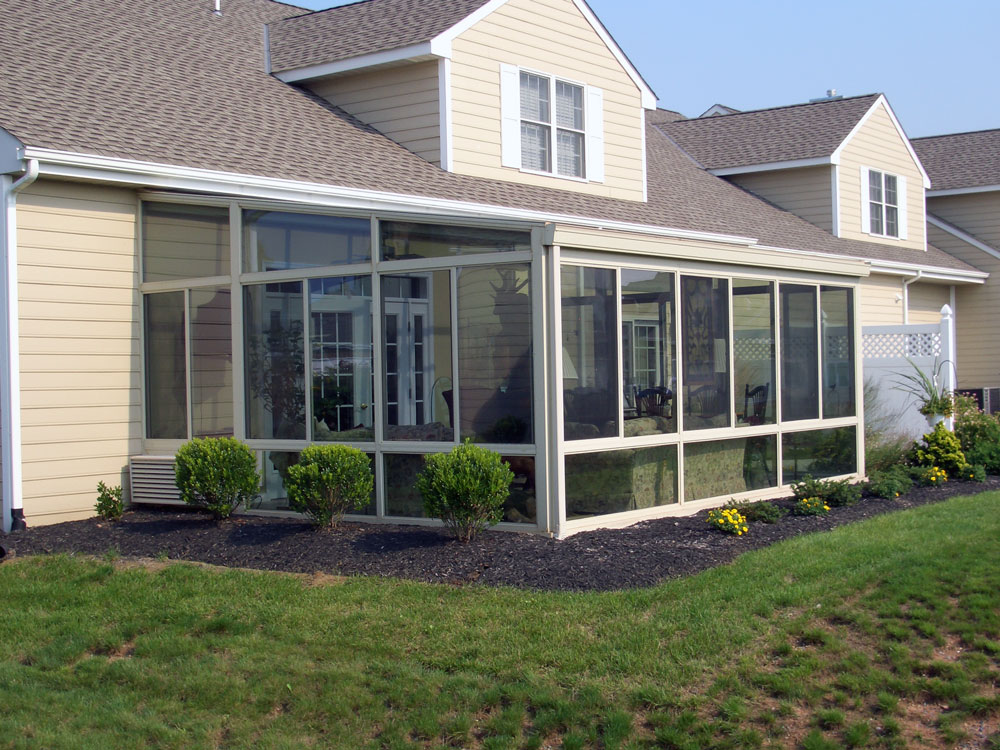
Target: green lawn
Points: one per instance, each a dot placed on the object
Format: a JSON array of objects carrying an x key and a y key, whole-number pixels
[{"x": 881, "y": 634}]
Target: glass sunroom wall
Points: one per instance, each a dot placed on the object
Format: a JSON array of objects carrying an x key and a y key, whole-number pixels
[
  {"x": 799, "y": 355},
  {"x": 495, "y": 354},
  {"x": 590, "y": 334},
  {"x": 280, "y": 240},
  {"x": 753, "y": 352},
  {"x": 819, "y": 453},
  {"x": 211, "y": 362},
  {"x": 165, "y": 321},
  {"x": 184, "y": 242},
  {"x": 649, "y": 358},
  {"x": 837, "y": 328},
  {"x": 705, "y": 352}
]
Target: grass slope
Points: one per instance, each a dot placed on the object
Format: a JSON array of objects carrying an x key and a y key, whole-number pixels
[{"x": 881, "y": 634}]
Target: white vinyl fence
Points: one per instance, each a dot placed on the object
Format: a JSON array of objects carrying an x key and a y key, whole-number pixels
[{"x": 886, "y": 350}]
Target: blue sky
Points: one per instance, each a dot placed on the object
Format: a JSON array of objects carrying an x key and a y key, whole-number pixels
[{"x": 937, "y": 62}]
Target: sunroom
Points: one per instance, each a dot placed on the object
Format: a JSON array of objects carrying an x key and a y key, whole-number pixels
[{"x": 618, "y": 385}]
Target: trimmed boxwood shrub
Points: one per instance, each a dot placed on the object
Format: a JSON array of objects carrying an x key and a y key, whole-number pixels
[
  {"x": 465, "y": 488},
  {"x": 216, "y": 474},
  {"x": 328, "y": 481}
]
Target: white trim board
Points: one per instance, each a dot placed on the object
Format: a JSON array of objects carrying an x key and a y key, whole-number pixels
[
  {"x": 963, "y": 191},
  {"x": 412, "y": 53},
  {"x": 966, "y": 238},
  {"x": 774, "y": 165}
]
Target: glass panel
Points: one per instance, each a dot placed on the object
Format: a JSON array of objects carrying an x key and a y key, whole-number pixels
[
  {"x": 166, "y": 366},
  {"x": 799, "y": 360},
  {"x": 705, "y": 330},
  {"x": 876, "y": 217},
  {"x": 402, "y": 240},
  {"x": 535, "y": 147},
  {"x": 534, "y": 97},
  {"x": 419, "y": 389},
  {"x": 875, "y": 186},
  {"x": 274, "y": 496},
  {"x": 494, "y": 354},
  {"x": 838, "y": 351},
  {"x": 891, "y": 221},
  {"x": 340, "y": 334},
  {"x": 401, "y": 495},
  {"x": 589, "y": 353},
  {"x": 753, "y": 351},
  {"x": 520, "y": 505},
  {"x": 819, "y": 454},
  {"x": 569, "y": 105},
  {"x": 275, "y": 241},
  {"x": 569, "y": 153},
  {"x": 726, "y": 467},
  {"x": 650, "y": 360},
  {"x": 211, "y": 363},
  {"x": 184, "y": 242},
  {"x": 617, "y": 481},
  {"x": 890, "y": 190},
  {"x": 275, "y": 361}
]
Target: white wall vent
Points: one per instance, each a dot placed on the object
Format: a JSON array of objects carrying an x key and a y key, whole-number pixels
[{"x": 152, "y": 480}]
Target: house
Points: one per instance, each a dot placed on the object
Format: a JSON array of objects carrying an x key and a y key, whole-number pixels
[
  {"x": 399, "y": 224},
  {"x": 963, "y": 217}
]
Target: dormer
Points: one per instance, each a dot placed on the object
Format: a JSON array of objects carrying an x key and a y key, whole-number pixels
[
  {"x": 843, "y": 164},
  {"x": 529, "y": 91}
]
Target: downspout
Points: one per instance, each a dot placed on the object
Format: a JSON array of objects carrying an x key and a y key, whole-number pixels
[
  {"x": 906, "y": 296},
  {"x": 10, "y": 383}
]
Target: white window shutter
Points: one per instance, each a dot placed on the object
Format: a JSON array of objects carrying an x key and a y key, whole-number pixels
[
  {"x": 901, "y": 200},
  {"x": 866, "y": 215},
  {"x": 510, "y": 116},
  {"x": 595, "y": 134}
]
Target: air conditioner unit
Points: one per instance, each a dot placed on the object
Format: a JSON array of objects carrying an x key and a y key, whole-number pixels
[{"x": 152, "y": 480}]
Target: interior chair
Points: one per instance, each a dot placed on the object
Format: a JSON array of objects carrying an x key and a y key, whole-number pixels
[
  {"x": 755, "y": 403},
  {"x": 653, "y": 402}
]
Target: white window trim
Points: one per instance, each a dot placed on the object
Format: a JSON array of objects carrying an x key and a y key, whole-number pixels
[
  {"x": 510, "y": 129},
  {"x": 901, "y": 215}
]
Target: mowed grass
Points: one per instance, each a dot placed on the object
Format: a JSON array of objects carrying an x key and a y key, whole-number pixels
[{"x": 882, "y": 634}]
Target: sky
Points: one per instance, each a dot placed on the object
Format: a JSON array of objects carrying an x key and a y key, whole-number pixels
[{"x": 938, "y": 62}]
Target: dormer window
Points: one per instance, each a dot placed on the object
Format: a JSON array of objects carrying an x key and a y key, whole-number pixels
[
  {"x": 551, "y": 126},
  {"x": 884, "y": 212},
  {"x": 537, "y": 94}
]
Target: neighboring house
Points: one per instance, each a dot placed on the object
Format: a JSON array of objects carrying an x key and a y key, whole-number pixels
[
  {"x": 402, "y": 223},
  {"x": 963, "y": 217}
]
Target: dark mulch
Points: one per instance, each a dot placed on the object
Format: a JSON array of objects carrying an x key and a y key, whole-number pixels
[{"x": 602, "y": 560}]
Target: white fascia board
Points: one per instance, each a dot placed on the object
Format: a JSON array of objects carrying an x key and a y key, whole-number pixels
[
  {"x": 963, "y": 191},
  {"x": 152, "y": 175},
  {"x": 11, "y": 153},
  {"x": 966, "y": 238},
  {"x": 648, "y": 96},
  {"x": 819, "y": 161},
  {"x": 899, "y": 131},
  {"x": 412, "y": 53},
  {"x": 928, "y": 273}
]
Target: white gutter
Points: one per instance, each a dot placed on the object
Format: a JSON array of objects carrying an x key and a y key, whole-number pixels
[
  {"x": 10, "y": 381},
  {"x": 906, "y": 296}
]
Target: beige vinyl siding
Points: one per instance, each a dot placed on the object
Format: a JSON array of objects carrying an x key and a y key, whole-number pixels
[
  {"x": 400, "y": 102},
  {"x": 881, "y": 301},
  {"x": 976, "y": 310},
  {"x": 79, "y": 338},
  {"x": 806, "y": 192},
  {"x": 878, "y": 145},
  {"x": 551, "y": 37},
  {"x": 977, "y": 214},
  {"x": 926, "y": 301}
]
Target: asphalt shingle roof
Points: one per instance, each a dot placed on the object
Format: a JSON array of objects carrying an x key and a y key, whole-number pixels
[
  {"x": 172, "y": 83},
  {"x": 764, "y": 136},
  {"x": 961, "y": 160},
  {"x": 360, "y": 29}
]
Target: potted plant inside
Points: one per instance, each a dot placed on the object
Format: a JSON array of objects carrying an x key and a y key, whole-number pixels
[{"x": 937, "y": 403}]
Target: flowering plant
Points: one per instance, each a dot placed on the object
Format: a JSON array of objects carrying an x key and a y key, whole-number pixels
[
  {"x": 728, "y": 520},
  {"x": 810, "y": 506},
  {"x": 934, "y": 476}
]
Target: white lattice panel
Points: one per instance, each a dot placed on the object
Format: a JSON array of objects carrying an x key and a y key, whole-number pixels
[{"x": 899, "y": 345}]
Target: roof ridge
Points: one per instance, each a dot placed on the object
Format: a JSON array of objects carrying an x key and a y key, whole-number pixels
[
  {"x": 781, "y": 106},
  {"x": 952, "y": 135}
]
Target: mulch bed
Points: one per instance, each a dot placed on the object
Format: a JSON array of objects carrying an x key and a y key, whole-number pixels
[{"x": 602, "y": 560}]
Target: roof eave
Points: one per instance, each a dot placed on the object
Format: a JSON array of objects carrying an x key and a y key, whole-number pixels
[
  {"x": 963, "y": 191},
  {"x": 411, "y": 53},
  {"x": 771, "y": 166}
]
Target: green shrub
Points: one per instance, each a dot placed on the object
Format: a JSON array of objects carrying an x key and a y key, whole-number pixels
[
  {"x": 109, "y": 502},
  {"x": 216, "y": 474},
  {"x": 728, "y": 520},
  {"x": 974, "y": 473},
  {"x": 890, "y": 483},
  {"x": 328, "y": 481},
  {"x": 758, "y": 512},
  {"x": 978, "y": 434},
  {"x": 940, "y": 448},
  {"x": 835, "y": 493},
  {"x": 933, "y": 476},
  {"x": 465, "y": 488},
  {"x": 810, "y": 506}
]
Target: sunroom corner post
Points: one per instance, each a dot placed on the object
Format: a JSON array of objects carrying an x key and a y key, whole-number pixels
[
  {"x": 557, "y": 467},
  {"x": 948, "y": 354},
  {"x": 541, "y": 242},
  {"x": 236, "y": 320},
  {"x": 859, "y": 380}
]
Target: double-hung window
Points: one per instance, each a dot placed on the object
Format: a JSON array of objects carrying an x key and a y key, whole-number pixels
[
  {"x": 883, "y": 211},
  {"x": 537, "y": 126},
  {"x": 552, "y": 126}
]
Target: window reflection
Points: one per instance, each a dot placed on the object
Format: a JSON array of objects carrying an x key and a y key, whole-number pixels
[
  {"x": 725, "y": 467},
  {"x": 705, "y": 327},
  {"x": 166, "y": 366},
  {"x": 276, "y": 240},
  {"x": 799, "y": 358},
  {"x": 753, "y": 351},
  {"x": 211, "y": 363},
  {"x": 649, "y": 361},
  {"x": 819, "y": 454},
  {"x": 403, "y": 240},
  {"x": 837, "y": 316},
  {"x": 184, "y": 242},
  {"x": 617, "y": 481}
]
